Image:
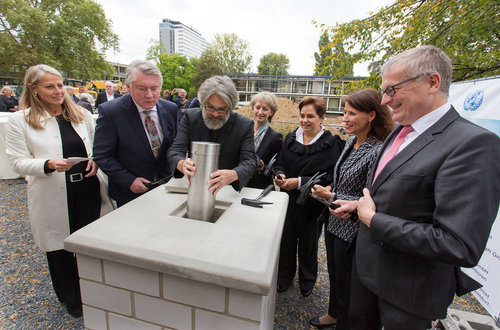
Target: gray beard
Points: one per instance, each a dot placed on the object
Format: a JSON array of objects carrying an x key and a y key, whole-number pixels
[{"x": 214, "y": 125}]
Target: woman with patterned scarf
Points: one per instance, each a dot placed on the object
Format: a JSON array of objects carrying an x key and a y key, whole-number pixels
[{"x": 266, "y": 140}]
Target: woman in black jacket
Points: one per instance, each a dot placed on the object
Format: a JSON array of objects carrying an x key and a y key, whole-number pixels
[
  {"x": 266, "y": 140},
  {"x": 8, "y": 103},
  {"x": 305, "y": 151}
]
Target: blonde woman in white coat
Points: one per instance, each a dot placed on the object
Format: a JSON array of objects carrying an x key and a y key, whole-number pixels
[{"x": 63, "y": 196}]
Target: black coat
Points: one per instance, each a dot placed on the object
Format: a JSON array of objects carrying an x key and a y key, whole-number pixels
[
  {"x": 7, "y": 103},
  {"x": 270, "y": 145},
  {"x": 101, "y": 98},
  {"x": 237, "y": 151},
  {"x": 298, "y": 160}
]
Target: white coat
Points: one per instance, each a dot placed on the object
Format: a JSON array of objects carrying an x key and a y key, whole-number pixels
[{"x": 28, "y": 149}]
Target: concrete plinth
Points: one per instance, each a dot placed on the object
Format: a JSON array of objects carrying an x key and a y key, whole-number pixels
[
  {"x": 146, "y": 266},
  {"x": 462, "y": 320}
]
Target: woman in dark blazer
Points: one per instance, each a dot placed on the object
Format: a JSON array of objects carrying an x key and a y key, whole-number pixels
[
  {"x": 305, "y": 151},
  {"x": 8, "y": 103},
  {"x": 266, "y": 140},
  {"x": 369, "y": 123}
]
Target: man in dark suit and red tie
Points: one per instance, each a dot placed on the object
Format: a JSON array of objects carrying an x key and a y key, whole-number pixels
[
  {"x": 133, "y": 134},
  {"x": 430, "y": 204}
]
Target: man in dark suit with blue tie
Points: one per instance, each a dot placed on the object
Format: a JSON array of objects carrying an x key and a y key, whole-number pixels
[
  {"x": 133, "y": 134},
  {"x": 430, "y": 204}
]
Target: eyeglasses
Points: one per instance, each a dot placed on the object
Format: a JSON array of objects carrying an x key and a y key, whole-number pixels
[
  {"x": 212, "y": 110},
  {"x": 391, "y": 90}
]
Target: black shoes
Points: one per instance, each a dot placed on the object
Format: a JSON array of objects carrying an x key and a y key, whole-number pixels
[
  {"x": 316, "y": 323},
  {"x": 282, "y": 288},
  {"x": 75, "y": 309},
  {"x": 306, "y": 293}
]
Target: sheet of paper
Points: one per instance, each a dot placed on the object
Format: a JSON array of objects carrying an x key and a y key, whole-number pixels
[{"x": 77, "y": 159}]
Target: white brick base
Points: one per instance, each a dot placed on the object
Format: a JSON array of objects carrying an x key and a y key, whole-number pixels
[{"x": 119, "y": 296}]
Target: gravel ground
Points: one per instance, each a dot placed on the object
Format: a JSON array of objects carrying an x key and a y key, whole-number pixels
[{"x": 27, "y": 300}]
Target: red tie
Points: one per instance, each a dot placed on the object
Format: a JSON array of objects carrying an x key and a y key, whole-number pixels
[{"x": 391, "y": 152}]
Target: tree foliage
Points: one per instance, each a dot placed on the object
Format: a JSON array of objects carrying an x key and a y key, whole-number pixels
[
  {"x": 232, "y": 52},
  {"x": 154, "y": 51},
  {"x": 274, "y": 64},
  {"x": 227, "y": 54},
  {"x": 466, "y": 30},
  {"x": 207, "y": 67},
  {"x": 70, "y": 35},
  {"x": 177, "y": 72},
  {"x": 331, "y": 59}
]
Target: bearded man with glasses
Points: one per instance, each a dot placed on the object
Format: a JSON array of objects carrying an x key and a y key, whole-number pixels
[
  {"x": 216, "y": 122},
  {"x": 431, "y": 201}
]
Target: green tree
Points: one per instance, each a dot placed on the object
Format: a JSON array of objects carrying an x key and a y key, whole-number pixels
[
  {"x": 154, "y": 51},
  {"x": 232, "y": 52},
  {"x": 177, "y": 72},
  {"x": 176, "y": 69},
  {"x": 331, "y": 59},
  {"x": 228, "y": 54},
  {"x": 274, "y": 64},
  {"x": 208, "y": 65},
  {"x": 466, "y": 30},
  {"x": 70, "y": 35}
]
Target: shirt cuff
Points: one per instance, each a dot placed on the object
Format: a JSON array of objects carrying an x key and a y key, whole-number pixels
[{"x": 46, "y": 168}]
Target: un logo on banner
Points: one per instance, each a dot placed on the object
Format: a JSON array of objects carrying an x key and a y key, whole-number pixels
[{"x": 474, "y": 101}]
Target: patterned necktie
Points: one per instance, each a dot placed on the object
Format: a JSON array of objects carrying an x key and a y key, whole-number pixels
[
  {"x": 153, "y": 133},
  {"x": 391, "y": 152}
]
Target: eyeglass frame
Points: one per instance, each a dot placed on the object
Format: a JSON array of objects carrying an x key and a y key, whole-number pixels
[
  {"x": 212, "y": 110},
  {"x": 391, "y": 91}
]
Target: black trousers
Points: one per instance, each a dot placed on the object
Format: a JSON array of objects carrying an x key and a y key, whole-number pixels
[
  {"x": 84, "y": 203},
  {"x": 340, "y": 256},
  {"x": 64, "y": 275},
  {"x": 300, "y": 234},
  {"x": 367, "y": 311}
]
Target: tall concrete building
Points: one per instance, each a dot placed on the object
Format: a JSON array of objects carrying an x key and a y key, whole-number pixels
[{"x": 178, "y": 38}]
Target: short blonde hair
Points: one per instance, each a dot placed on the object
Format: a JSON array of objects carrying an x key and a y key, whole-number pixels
[
  {"x": 4, "y": 88},
  {"x": 269, "y": 99}
]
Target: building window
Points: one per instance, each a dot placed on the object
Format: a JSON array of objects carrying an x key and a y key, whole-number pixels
[{"x": 299, "y": 87}]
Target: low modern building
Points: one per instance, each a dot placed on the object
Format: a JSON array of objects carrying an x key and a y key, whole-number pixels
[
  {"x": 118, "y": 73},
  {"x": 175, "y": 37},
  {"x": 295, "y": 88}
]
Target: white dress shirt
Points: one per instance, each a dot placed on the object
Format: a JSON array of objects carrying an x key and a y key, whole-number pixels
[
  {"x": 154, "y": 117},
  {"x": 420, "y": 125},
  {"x": 424, "y": 122}
]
